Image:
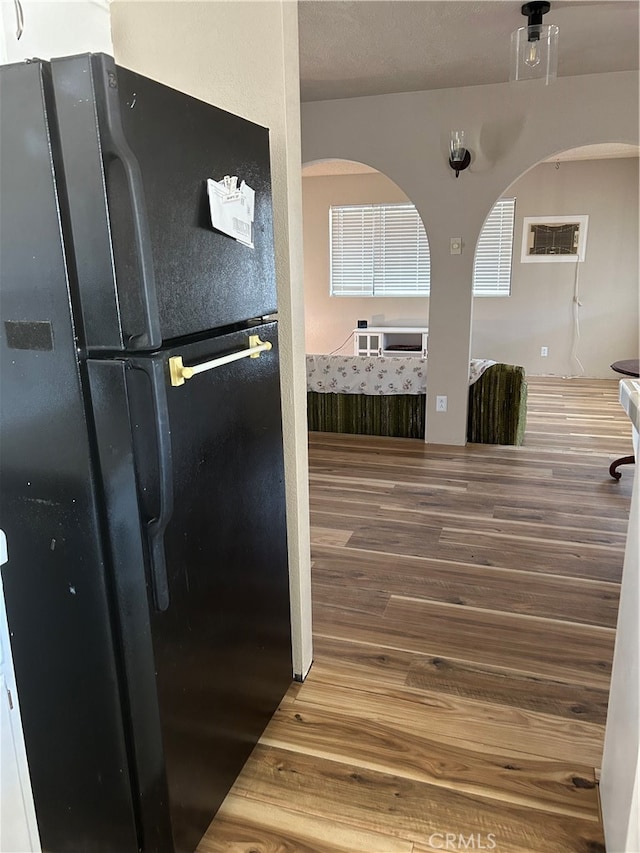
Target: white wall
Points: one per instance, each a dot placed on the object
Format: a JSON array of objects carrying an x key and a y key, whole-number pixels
[
  {"x": 509, "y": 128},
  {"x": 54, "y": 28},
  {"x": 243, "y": 57}
]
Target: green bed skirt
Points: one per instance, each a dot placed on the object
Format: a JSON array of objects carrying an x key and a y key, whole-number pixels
[
  {"x": 497, "y": 410},
  {"x": 398, "y": 415}
]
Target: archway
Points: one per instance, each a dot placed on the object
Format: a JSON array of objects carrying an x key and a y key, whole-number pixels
[
  {"x": 330, "y": 320},
  {"x": 562, "y": 317}
]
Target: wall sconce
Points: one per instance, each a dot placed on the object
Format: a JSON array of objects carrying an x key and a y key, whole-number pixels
[{"x": 459, "y": 157}]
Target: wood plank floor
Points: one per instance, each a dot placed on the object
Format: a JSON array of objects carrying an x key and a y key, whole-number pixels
[{"x": 464, "y": 620}]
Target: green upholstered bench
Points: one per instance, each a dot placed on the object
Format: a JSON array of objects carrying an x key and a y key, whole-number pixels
[
  {"x": 498, "y": 406},
  {"x": 497, "y": 410}
]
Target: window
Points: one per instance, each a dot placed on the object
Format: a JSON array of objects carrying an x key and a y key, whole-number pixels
[
  {"x": 378, "y": 250},
  {"x": 492, "y": 264},
  {"x": 383, "y": 250}
]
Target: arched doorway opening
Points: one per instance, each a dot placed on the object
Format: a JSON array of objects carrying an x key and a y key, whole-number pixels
[
  {"x": 330, "y": 320},
  {"x": 566, "y": 317}
]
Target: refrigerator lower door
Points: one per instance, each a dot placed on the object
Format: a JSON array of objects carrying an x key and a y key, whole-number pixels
[
  {"x": 112, "y": 424},
  {"x": 220, "y": 633}
]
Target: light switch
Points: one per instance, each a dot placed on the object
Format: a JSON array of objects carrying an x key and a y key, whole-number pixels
[{"x": 455, "y": 245}]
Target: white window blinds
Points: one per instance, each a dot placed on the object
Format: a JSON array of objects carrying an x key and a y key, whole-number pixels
[
  {"x": 492, "y": 264},
  {"x": 378, "y": 250},
  {"x": 383, "y": 250}
]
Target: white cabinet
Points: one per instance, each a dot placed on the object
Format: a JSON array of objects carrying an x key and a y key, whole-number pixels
[
  {"x": 367, "y": 342},
  {"x": 18, "y": 827},
  {"x": 391, "y": 340},
  {"x": 620, "y": 778}
]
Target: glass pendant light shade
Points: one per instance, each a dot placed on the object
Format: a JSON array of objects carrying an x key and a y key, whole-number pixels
[{"x": 534, "y": 53}]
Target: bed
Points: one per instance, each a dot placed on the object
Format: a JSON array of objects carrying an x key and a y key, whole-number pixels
[{"x": 386, "y": 396}]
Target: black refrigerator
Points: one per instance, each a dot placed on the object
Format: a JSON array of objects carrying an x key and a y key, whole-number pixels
[{"x": 141, "y": 462}]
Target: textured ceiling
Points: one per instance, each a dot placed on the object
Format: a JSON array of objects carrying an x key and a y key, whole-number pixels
[{"x": 373, "y": 47}]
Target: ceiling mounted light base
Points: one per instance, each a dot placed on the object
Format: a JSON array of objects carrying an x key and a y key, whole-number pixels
[
  {"x": 535, "y": 10},
  {"x": 534, "y": 48}
]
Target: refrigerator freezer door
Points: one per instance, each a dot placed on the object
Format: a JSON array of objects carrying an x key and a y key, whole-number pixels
[
  {"x": 137, "y": 156},
  {"x": 222, "y": 646}
]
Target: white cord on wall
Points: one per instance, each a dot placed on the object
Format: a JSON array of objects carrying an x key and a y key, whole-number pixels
[
  {"x": 345, "y": 342},
  {"x": 576, "y": 318}
]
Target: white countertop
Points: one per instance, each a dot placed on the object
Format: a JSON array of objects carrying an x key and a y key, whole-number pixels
[{"x": 630, "y": 399}]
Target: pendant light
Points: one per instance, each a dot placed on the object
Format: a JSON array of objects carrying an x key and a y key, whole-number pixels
[{"x": 534, "y": 48}]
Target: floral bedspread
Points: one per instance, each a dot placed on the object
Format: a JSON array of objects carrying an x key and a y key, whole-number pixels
[{"x": 357, "y": 374}]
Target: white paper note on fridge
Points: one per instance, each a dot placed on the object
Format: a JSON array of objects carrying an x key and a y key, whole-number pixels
[{"x": 232, "y": 208}]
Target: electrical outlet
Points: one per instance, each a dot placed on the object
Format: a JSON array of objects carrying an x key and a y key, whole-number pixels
[
  {"x": 544, "y": 351},
  {"x": 441, "y": 404}
]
